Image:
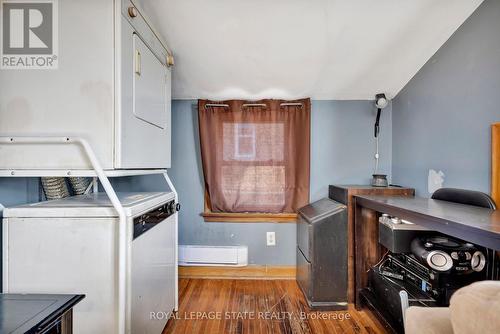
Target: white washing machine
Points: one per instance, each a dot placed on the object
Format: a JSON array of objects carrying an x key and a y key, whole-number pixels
[{"x": 71, "y": 246}]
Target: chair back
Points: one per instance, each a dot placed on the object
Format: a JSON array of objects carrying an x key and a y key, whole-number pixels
[{"x": 463, "y": 196}]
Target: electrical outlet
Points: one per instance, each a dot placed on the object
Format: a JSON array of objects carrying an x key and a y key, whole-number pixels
[{"x": 271, "y": 239}]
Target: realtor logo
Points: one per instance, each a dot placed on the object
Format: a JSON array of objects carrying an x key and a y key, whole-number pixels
[{"x": 29, "y": 34}]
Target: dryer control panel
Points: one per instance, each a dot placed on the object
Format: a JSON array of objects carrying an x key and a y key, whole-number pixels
[{"x": 150, "y": 219}]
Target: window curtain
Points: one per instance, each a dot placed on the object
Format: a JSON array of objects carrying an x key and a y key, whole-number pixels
[{"x": 255, "y": 155}]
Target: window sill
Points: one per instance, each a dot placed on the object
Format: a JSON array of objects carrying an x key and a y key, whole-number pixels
[{"x": 224, "y": 217}]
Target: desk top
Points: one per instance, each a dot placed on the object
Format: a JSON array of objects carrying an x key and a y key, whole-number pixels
[
  {"x": 22, "y": 313},
  {"x": 474, "y": 224}
]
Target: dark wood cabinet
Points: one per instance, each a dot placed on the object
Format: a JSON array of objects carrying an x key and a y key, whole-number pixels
[{"x": 344, "y": 194}]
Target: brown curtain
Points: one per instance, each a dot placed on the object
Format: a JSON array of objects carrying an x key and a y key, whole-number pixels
[{"x": 255, "y": 154}]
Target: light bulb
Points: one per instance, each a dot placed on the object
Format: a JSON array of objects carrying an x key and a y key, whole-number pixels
[{"x": 382, "y": 102}]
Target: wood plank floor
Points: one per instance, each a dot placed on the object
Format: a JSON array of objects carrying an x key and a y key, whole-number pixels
[{"x": 258, "y": 306}]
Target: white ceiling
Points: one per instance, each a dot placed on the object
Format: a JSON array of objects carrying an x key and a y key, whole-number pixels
[{"x": 325, "y": 49}]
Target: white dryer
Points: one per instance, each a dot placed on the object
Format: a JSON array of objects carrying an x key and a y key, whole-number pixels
[{"x": 112, "y": 88}]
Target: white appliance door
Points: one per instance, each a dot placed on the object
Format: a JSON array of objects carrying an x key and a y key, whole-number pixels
[
  {"x": 143, "y": 126},
  {"x": 153, "y": 278},
  {"x": 66, "y": 255},
  {"x": 150, "y": 98}
]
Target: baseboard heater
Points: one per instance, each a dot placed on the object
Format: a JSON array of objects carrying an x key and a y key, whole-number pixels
[{"x": 229, "y": 256}]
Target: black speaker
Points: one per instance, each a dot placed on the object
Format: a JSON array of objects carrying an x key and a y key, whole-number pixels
[{"x": 449, "y": 255}]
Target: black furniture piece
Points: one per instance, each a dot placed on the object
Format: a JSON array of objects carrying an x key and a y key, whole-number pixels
[
  {"x": 37, "y": 313},
  {"x": 322, "y": 254}
]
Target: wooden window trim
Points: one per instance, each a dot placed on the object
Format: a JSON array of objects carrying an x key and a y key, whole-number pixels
[{"x": 230, "y": 217}]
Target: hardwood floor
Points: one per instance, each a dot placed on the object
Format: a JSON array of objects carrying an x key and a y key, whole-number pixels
[{"x": 258, "y": 306}]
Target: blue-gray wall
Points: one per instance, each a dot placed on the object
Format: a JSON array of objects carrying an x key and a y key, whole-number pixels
[
  {"x": 441, "y": 118},
  {"x": 342, "y": 149},
  {"x": 14, "y": 191}
]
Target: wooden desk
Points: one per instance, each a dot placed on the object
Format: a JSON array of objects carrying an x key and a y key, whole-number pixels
[
  {"x": 477, "y": 225},
  {"x": 37, "y": 313}
]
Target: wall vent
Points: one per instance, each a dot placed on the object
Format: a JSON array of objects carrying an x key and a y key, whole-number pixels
[{"x": 231, "y": 256}]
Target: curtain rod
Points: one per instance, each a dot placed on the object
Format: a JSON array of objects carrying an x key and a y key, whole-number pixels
[
  {"x": 249, "y": 105},
  {"x": 216, "y": 105},
  {"x": 224, "y": 105}
]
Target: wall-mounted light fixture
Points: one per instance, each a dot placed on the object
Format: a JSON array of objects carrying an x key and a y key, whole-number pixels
[
  {"x": 379, "y": 180},
  {"x": 381, "y": 102}
]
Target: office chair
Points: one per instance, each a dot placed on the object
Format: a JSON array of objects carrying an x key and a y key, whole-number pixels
[{"x": 463, "y": 196}]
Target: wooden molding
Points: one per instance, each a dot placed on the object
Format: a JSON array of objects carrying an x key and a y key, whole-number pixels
[
  {"x": 229, "y": 217},
  {"x": 248, "y": 272},
  {"x": 495, "y": 162}
]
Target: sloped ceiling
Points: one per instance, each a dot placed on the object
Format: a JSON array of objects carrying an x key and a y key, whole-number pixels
[{"x": 325, "y": 49}]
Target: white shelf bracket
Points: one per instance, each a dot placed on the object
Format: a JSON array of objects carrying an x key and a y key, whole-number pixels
[{"x": 176, "y": 248}]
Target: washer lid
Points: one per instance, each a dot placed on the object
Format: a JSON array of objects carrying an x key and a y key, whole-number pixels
[{"x": 91, "y": 205}]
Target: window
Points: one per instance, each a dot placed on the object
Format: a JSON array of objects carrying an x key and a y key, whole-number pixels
[
  {"x": 244, "y": 140},
  {"x": 255, "y": 159}
]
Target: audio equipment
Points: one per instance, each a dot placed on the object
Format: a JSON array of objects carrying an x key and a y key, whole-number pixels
[
  {"x": 407, "y": 269},
  {"x": 445, "y": 254},
  {"x": 386, "y": 288},
  {"x": 428, "y": 266},
  {"x": 396, "y": 234}
]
